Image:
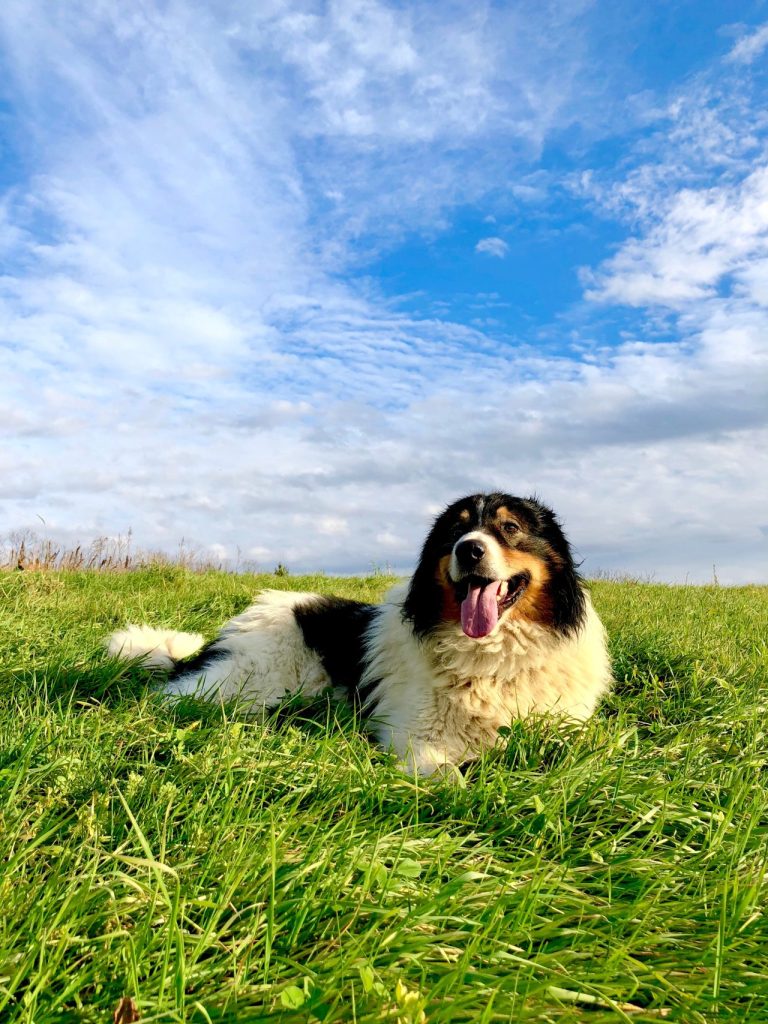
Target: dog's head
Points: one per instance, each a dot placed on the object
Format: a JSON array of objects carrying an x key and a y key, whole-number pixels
[{"x": 490, "y": 558}]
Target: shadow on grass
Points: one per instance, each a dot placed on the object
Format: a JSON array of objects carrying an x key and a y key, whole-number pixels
[
  {"x": 107, "y": 683},
  {"x": 111, "y": 683}
]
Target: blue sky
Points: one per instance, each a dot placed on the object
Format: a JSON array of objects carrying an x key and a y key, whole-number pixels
[{"x": 282, "y": 279}]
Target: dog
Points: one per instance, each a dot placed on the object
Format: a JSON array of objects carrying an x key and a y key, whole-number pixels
[{"x": 495, "y": 624}]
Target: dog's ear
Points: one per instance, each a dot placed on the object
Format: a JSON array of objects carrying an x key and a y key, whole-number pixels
[
  {"x": 424, "y": 601},
  {"x": 565, "y": 584},
  {"x": 423, "y": 606},
  {"x": 569, "y": 606}
]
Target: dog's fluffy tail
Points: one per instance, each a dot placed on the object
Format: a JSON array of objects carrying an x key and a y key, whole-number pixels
[{"x": 157, "y": 648}]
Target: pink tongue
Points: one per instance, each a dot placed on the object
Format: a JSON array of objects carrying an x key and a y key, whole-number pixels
[{"x": 480, "y": 609}]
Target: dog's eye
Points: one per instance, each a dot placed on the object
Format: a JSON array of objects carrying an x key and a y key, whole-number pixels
[{"x": 510, "y": 527}]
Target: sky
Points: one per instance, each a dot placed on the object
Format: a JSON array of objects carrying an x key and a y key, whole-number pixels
[{"x": 281, "y": 280}]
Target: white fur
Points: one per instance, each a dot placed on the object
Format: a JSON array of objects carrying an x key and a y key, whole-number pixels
[
  {"x": 492, "y": 565},
  {"x": 436, "y": 701},
  {"x": 260, "y": 656},
  {"x": 441, "y": 700},
  {"x": 157, "y": 648}
]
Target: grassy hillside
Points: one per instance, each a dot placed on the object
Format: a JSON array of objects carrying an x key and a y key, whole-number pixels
[{"x": 215, "y": 869}]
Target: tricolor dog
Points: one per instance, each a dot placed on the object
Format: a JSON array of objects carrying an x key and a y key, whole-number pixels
[{"x": 494, "y": 624}]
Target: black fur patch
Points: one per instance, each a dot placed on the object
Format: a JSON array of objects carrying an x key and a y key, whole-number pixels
[
  {"x": 199, "y": 662},
  {"x": 424, "y": 602},
  {"x": 335, "y": 628},
  {"x": 565, "y": 584}
]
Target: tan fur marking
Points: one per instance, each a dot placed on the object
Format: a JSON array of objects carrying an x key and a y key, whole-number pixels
[
  {"x": 464, "y": 515},
  {"x": 534, "y": 605},
  {"x": 450, "y": 611},
  {"x": 503, "y": 515}
]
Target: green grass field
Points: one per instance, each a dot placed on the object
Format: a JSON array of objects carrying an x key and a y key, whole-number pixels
[{"x": 217, "y": 869}]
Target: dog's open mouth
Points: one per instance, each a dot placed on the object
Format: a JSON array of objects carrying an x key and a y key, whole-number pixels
[{"x": 482, "y": 601}]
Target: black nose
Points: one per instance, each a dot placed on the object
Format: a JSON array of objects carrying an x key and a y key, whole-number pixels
[{"x": 469, "y": 553}]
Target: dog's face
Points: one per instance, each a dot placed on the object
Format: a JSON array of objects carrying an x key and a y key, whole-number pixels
[{"x": 494, "y": 557}]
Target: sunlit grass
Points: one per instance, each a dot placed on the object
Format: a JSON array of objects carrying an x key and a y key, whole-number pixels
[{"x": 213, "y": 868}]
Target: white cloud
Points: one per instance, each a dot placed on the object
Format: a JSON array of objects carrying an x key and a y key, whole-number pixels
[
  {"x": 181, "y": 355},
  {"x": 702, "y": 237},
  {"x": 492, "y": 247},
  {"x": 750, "y": 46},
  {"x": 332, "y": 526},
  {"x": 218, "y": 553},
  {"x": 421, "y": 74}
]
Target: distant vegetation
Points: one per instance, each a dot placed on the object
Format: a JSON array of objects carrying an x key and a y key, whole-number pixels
[
  {"x": 105, "y": 554},
  {"x": 213, "y": 868}
]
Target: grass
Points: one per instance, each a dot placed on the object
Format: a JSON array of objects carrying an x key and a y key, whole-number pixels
[{"x": 216, "y": 869}]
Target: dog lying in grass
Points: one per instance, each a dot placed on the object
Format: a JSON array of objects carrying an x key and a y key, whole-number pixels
[{"x": 494, "y": 624}]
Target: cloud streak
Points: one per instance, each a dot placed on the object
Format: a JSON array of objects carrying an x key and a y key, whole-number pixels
[{"x": 750, "y": 46}]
